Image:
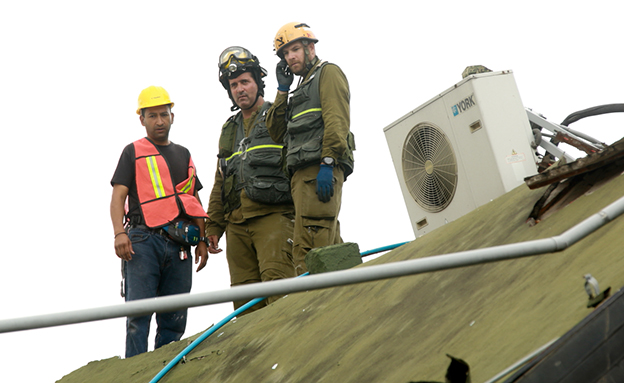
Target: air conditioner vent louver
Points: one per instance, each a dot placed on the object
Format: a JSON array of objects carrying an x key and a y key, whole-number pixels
[{"x": 429, "y": 167}]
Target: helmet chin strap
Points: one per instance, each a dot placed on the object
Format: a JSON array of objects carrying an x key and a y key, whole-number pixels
[
  {"x": 254, "y": 103},
  {"x": 306, "y": 59}
]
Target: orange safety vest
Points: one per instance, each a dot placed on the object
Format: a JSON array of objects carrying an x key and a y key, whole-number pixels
[{"x": 157, "y": 197}]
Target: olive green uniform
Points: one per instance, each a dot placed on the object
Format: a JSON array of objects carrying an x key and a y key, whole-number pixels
[
  {"x": 258, "y": 235},
  {"x": 316, "y": 222}
]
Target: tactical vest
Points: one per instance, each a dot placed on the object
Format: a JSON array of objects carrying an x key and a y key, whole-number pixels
[
  {"x": 253, "y": 163},
  {"x": 159, "y": 201},
  {"x": 305, "y": 129}
]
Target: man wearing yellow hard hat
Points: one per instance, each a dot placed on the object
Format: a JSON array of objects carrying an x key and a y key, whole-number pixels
[
  {"x": 162, "y": 221},
  {"x": 315, "y": 126},
  {"x": 250, "y": 201}
]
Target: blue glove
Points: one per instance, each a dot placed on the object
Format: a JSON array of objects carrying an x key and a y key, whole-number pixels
[
  {"x": 325, "y": 183},
  {"x": 284, "y": 76}
]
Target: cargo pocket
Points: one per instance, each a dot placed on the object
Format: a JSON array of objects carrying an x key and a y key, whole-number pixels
[
  {"x": 308, "y": 153},
  {"x": 269, "y": 190},
  {"x": 271, "y": 157},
  {"x": 312, "y": 208}
]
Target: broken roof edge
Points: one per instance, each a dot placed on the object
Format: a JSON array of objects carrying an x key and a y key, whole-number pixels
[{"x": 591, "y": 162}]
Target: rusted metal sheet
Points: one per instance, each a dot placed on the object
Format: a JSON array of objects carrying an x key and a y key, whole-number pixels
[{"x": 609, "y": 155}]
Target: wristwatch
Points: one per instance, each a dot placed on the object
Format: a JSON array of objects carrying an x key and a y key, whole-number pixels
[
  {"x": 328, "y": 161},
  {"x": 205, "y": 240}
]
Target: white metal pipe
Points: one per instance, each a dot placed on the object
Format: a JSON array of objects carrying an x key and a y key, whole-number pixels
[
  {"x": 325, "y": 280},
  {"x": 551, "y": 126},
  {"x": 556, "y": 151}
]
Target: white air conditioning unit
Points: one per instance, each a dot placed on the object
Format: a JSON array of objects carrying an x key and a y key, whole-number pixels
[{"x": 461, "y": 149}]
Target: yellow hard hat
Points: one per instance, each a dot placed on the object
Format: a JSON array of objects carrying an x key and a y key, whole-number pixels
[
  {"x": 292, "y": 32},
  {"x": 153, "y": 96}
]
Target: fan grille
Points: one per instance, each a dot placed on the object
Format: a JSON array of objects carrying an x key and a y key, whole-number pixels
[{"x": 429, "y": 167}]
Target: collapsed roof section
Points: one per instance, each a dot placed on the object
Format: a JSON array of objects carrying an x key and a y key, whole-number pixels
[{"x": 567, "y": 180}]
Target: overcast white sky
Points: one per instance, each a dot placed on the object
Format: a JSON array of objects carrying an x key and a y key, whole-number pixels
[{"x": 71, "y": 72}]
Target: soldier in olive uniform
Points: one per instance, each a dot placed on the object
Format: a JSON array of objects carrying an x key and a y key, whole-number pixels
[
  {"x": 314, "y": 125},
  {"x": 250, "y": 201}
]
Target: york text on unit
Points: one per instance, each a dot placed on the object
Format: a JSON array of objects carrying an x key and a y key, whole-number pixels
[{"x": 463, "y": 105}]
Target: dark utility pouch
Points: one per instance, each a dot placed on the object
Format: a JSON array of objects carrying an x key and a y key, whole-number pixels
[
  {"x": 183, "y": 232},
  {"x": 269, "y": 190}
]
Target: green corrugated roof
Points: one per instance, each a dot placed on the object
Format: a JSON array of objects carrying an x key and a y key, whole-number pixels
[{"x": 400, "y": 330}]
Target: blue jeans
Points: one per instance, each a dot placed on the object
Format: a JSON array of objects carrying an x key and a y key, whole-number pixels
[{"x": 155, "y": 270}]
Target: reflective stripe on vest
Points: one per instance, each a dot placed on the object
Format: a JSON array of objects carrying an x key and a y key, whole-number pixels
[
  {"x": 152, "y": 166},
  {"x": 190, "y": 182},
  {"x": 307, "y": 111},
  {"x": 157, "y": 197},
  {"x": 254, "y": 148}
]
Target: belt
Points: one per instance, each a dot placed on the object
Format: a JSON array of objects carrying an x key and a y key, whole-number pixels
[{"x": 160, "y": 231}]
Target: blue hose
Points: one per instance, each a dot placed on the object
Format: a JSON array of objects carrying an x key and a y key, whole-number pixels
[
  {"x": 202, "y": 337},
  {"x": 206, "y": 334},
  {"x": 241, "y": 309},
  {"x": 382, "y": 249}
]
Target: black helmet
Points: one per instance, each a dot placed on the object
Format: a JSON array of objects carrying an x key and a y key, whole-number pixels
[{"x": 236, "y": 60}]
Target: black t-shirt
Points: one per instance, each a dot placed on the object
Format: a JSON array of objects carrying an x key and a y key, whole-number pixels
[{"x": 177, "y": 158}]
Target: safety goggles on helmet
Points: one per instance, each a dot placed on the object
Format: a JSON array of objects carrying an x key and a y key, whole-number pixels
[{"x": 235, "y": 58}]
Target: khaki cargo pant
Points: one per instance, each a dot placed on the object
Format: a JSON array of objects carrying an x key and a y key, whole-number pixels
[
  {"x": 316, "y": 222},
  {"x": 258, "y": 250}
]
